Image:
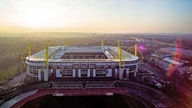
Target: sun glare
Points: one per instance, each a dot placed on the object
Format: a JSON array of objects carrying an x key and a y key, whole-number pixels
[
  {"x": 42, "y": 15},
  {"x": 36, "y": 17}
]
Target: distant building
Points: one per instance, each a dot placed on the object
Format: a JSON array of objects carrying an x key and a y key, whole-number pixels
[
  {"x": 184, "y": 53},
  {"x": 176, "y": 63}
]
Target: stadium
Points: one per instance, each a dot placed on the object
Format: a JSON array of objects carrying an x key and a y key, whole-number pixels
[
  {"x": 82, "y": 62},
  {"x": 85, "y": 76}
]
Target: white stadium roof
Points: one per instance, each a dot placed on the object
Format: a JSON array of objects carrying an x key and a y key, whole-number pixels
[{"x": 56, "y": 53}]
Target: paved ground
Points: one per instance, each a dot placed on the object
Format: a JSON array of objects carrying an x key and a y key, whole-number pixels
[
  {"x": 17, "y": 80},
  {"x": 18, "y": 98}
]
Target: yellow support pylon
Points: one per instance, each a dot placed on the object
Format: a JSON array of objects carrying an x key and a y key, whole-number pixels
[
  {"x": 47, "y": 54},
  {"x": 119, "y": 44},
  {"x": 142, "y": 57},
  {"x": 120, "y": 50},
  {"x": 120, "y": 58},
  {"x": 135, "y": 49},
  {"x": 120, "y": 55},
  {"x": 29, "y": 49},
  {"x": 102, "y": 43},
  {"x": 129, "y": 49},
  {"x": 22, "y": 59}
]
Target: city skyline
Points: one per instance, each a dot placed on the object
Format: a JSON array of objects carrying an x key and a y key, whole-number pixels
[{"x": 102, "y": 16}]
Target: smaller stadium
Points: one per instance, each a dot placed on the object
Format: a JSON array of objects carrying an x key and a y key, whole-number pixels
[{"x": 64, "y": 62}]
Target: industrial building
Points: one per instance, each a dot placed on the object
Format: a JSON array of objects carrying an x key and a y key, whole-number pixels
[
  {"x": 187, "y": 54},
  {"x": 82, "y": 62}
]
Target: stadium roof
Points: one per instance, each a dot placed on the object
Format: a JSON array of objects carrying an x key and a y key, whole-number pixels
[{"x": 56, "y": 52}]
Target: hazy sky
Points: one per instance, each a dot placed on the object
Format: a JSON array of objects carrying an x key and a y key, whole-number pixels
[{"x": 110, "y": 16}]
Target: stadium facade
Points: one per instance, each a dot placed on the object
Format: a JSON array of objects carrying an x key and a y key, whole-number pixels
[{"x": 82, "y": 62}]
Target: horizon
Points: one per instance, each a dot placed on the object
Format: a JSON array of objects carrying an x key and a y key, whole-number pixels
[
  {"x": 139, "y": 33},
  {"x": 109, "y": 16}
]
